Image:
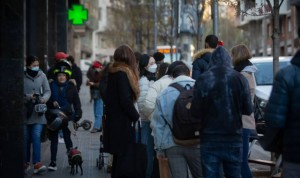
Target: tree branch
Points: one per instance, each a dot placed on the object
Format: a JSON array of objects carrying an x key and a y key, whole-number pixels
[
  {"x": 280, "y": 3},
  {"x": 272, "y": 10}
]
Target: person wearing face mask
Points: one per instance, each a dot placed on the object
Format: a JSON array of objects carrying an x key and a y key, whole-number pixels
[
  {"x": 35, "y": 84},
  {"x": 94, "y": 76},
  {"x": 147, "y": 69}
]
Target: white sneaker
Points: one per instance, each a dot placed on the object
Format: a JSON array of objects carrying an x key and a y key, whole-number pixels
[{"x": 61, "y": 140}]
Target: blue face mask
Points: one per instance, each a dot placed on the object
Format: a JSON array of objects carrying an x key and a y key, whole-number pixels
[{"x": 35, "y": 68}]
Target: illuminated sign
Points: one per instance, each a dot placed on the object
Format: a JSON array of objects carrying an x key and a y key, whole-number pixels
[
  {"x": 166, "y": 50},
  {"x": 77, "y": 15}
]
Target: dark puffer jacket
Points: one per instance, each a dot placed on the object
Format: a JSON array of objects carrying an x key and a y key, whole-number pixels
[
  {"x": 73, "y": 111},
  {"x": 221, "y": 97},
  {"x": 283, "y": 108},
  {"x": 201, "y": 61}
]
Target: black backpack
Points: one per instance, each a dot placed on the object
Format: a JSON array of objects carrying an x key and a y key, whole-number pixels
[{"x": 186, "y": 129}]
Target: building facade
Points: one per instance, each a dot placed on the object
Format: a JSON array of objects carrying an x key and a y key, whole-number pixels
[{"x": 255, "y": 18}]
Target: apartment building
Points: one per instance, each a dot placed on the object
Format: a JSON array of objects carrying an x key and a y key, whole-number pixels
[{"x": 258, "y": 25}]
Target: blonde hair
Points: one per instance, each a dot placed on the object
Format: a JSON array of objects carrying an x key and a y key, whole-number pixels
[{"x": 240, "y": 53}]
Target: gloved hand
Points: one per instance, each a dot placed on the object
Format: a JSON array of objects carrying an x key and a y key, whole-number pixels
[{"x": 76, "y": 118}]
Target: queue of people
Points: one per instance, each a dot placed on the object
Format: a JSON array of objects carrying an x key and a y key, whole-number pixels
[{"x": 140, "y": 106}]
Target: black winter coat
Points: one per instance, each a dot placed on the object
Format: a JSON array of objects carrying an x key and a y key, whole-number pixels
[
  {"x": 221, "y": 97},
  {"x": 120, "y": 112},
  {"x": 77, "y": 75},
  {"x": 283, "y": 108}
]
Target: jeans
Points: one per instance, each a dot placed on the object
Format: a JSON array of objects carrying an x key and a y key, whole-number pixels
[
  {"x": 290, "y": 170},
  {"x": 54, "y": 141},
  {"x": 32, "y": 134},
  {"x": 246, "y": 172},
  {"x": 148, "y": 140},
  {"x": 218, "y": 155},
  {"x": 98, "y": 112},
  {"x": 183, "y": 158}
]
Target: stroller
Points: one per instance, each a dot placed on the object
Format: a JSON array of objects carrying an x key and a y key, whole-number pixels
[{"x": 100, "y": 160}]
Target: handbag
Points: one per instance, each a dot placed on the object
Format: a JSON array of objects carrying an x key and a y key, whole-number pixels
[
  {"x": 272, "y": 139},
  {"x": 133, "y": 163}
]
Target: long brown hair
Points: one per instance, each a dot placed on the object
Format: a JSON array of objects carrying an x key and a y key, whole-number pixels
[{"x": 124, "y": 54}]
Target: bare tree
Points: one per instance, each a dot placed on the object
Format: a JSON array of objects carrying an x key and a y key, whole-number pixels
[{"x": 253, "y": 10}]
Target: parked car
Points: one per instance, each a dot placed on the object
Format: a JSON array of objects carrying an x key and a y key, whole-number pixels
[{"x": 264, "y": 81}]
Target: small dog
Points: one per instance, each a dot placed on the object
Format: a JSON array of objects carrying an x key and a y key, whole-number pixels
[{"x": 75, "y": 159}]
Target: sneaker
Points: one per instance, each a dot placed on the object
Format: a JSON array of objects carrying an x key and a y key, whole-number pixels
[
  {"x": 39, "y": 168},
  {"x": 52, "y": 166},
  {"x": 61, "y": 140},
  {"x": 94, "y": 130}
]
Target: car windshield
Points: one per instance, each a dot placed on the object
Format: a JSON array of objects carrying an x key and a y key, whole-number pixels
[{"x": 264, "y": 74}]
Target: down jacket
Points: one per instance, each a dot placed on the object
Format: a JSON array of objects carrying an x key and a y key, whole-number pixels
[
  {"x": 144, "y": 84},
  {"x": 283, "y": 108},
  {"x": 201, "y": 61},
  {"x": 153, "y": 92}
]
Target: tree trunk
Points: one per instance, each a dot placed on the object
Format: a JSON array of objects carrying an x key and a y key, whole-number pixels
[
  {"x": 200, "y": 17},
  {"x": 275, "y": 35}
]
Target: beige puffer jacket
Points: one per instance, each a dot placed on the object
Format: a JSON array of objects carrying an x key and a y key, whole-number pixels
[{"x": 249, "y": 121}]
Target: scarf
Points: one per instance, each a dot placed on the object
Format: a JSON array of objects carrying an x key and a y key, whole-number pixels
[
  {"x": 32, "y": 73},
  {"x": 133, "y": 79},
  {"x": 240, "y": 66}
]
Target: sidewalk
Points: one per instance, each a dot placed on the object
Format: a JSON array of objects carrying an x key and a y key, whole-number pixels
[
  {"x": 86, "y": 142},
  {"x": 89, "y": 145}
]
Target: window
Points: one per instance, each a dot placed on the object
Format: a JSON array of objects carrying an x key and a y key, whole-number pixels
[
  {"x": 100, "y": 11},
  {"x": 264, "y": 74}
]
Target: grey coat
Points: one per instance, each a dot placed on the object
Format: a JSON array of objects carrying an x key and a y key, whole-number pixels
[{"x": 39, "y": 84}]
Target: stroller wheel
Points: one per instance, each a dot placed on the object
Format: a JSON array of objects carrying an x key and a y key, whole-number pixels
[
  {"x": 101, "y": 163},
  {"x": 86, "y": 125},
  {"x": 98, "y": 163}
]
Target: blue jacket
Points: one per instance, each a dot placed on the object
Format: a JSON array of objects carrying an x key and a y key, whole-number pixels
[
  {"x": 221, "y": 97},
  {"x": 201, "y": 62},
  {"x": 164, "y": 111},
  {"x": 283, "y": 108}
]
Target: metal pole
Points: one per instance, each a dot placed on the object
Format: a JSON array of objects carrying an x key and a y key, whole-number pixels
[
  {"x": 215, "y": 17},
  {"x": 155, "y": 26}
]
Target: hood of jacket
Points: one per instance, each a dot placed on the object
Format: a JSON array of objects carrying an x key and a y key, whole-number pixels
[
  {"x": 200, "y": 53},
  {"x": 296, "y": 59},
  {"x": 220, "y": 56},
  {"x": 133, "y": 80},
  {"x": 183, "y": 80}
]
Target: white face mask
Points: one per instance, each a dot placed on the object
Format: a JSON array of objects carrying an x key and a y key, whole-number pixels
[{"x": 152, "y": 68}]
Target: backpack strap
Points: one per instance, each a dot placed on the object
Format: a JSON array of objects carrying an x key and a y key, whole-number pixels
[{"x": 177, "y": 86}]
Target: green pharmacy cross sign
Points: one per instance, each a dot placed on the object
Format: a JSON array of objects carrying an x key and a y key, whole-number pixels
[{"x": 77, "y": 14}]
